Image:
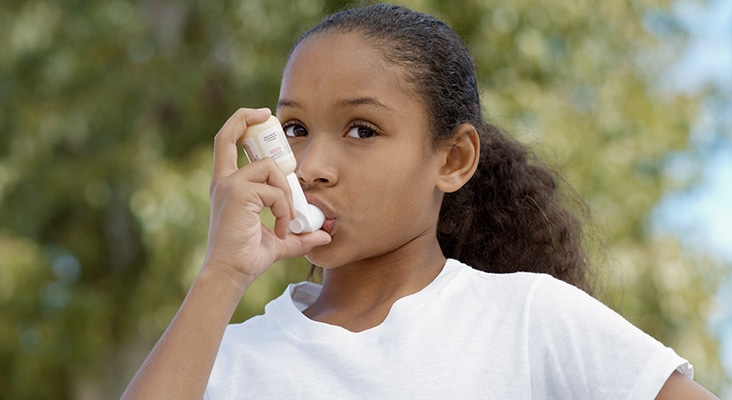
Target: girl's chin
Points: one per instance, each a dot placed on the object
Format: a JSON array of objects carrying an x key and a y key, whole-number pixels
[
  {"x": 317, "y": 256},
  {"x": 322, "y": 263},
  {"x": 325, "y": 256}
]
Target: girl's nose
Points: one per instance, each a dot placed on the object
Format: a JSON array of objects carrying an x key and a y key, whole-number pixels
[{"x": 315, "y": 162}]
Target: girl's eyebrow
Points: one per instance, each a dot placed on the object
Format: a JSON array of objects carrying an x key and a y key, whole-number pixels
[
  {"x": 284, "y": 103},
  {"x": 370, "y": 102}
]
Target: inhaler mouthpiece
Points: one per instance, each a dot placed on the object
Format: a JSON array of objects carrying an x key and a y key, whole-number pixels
[{"x": 308, "y": 218}]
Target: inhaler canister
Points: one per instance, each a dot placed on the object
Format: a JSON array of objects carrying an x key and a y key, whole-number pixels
[{"x": 267, "y": 139}]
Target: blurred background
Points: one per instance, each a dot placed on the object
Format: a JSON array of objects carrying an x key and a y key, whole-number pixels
[{"x": 108, "y": 110}]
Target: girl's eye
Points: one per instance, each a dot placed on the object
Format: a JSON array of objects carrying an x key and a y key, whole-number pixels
[
  {"x": 295, "y": 130},
  {"x": 361, "y": 132}
]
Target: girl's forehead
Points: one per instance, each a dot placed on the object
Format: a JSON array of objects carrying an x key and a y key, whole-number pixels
[
  {"x": 342, "y": 61},
  {"x": 353, "y": 47}
]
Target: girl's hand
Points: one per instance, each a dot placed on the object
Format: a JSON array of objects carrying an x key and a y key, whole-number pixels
[{"x": 238, "y": 242}]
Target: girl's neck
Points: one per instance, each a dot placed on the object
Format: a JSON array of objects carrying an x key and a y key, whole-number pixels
[{"x": 359, "y": 296}]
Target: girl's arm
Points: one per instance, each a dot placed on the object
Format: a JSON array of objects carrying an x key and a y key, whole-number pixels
[
  {"x": 679, "y": 387},
  {"x": 240, "y": 249},
  {"x": 180, "y": 363}
]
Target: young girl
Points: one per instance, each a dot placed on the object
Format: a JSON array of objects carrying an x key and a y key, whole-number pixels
[{"x": 381, "y": 108}]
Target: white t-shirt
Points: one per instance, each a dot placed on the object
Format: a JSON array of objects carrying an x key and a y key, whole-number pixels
[{"x": 467, "y": 335}]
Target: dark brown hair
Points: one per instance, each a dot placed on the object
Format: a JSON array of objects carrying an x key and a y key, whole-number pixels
[{"x": 510, "y": 216}]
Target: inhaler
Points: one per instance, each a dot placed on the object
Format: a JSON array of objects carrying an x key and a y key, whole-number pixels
[{"x": 267, "y": 139}]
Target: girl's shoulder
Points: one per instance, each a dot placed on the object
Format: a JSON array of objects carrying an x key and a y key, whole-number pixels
[
  {"x": 517, "y": 285},
  {"x": 535, "y": 298}
]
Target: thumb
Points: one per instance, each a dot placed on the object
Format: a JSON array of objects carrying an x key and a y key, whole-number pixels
[{"x": 301, "y": 244}]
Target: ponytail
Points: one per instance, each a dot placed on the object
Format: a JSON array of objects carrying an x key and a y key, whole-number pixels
[{"x": 509, "y": 217}]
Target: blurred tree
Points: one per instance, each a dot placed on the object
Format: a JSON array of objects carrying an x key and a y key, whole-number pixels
[{"x": 109, "y": 109}]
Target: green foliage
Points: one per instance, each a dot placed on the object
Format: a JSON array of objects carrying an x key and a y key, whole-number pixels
[{"x": 109, "y": 110}]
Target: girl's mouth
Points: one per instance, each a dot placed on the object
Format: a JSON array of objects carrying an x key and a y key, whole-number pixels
[
  {"x": 330, "y": 218},
  {"x": 329, "y": 225}
]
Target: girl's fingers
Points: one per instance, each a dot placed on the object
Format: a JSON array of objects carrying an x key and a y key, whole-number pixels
[
  {"x": 280, "y": 205},
  {"x": 260, "y": 184},
  {"x": 267, "y": 171},
  {"x": 225, "y": 142}
]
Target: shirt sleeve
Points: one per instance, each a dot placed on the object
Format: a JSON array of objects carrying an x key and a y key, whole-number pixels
[{"x": 579, "y": 348}]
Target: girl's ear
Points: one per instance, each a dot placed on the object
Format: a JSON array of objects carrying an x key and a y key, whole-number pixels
[{"x": 459, "y": 159}]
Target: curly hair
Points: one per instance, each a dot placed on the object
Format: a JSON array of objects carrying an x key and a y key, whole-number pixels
[{"x": 511, "y": 215}]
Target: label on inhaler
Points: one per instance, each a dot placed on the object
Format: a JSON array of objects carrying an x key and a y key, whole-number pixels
[{"x": 272, "y": 145}]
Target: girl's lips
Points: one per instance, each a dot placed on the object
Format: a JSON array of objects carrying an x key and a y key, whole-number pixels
[
  {"x": 330, "y": 218},
  {"x": 328, "y": 226}
]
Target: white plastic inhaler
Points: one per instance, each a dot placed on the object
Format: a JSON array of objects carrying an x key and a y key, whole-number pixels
[{"x": 267, "y": 139}]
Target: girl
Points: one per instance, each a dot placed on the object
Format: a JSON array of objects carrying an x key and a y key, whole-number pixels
[{"x": 381, "y": 108}]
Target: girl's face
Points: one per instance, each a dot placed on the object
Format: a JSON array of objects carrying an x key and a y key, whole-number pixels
[{"x": 361, "y": 138}]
